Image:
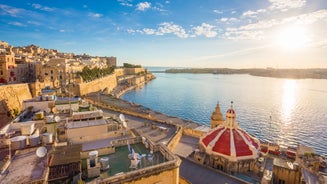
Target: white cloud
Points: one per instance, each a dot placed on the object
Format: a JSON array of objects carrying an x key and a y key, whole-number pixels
[
  {"x": 285, "y": 5},
  {"x": 205, "y": 30},
  {"x": 34, "y": 22},
  {"x": 253, "y": 14},
  {"x": 249, "y": 13},
  {"x": 308, "y": 18},
  {"x": 163, "y": 28},
  {"x": 127, "y": 3},
  {"x": 264, "y": 24},
  {"x": 244, "y": 35},
  {"x": 8, "y": 10},
  {"x": 229, "y": 20},
  {"x": 149, "y": 31},
  {"x": 159, "y": 9},
  {"x": 131, "y": 31},
  {"x": 40, "y": 7},
  {"x": 95, "y": 15},
  {"x": 143, "y": 6},
  {"x": 233, "y": 12},
  {"x": 62, "y": 30},
  {"x": 304, "y": 19},
  {"x": 257, "y": 30},
  {"x": 218, "y": 11},
  {"x": 17, "y": 24},
  {"x": 224, "y": 19},
  {"x": 170, "y": 28}
]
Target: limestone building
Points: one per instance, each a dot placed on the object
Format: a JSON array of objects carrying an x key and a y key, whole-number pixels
[
  {"x": 7, "y": 69},
  {"x": 53, "y": 73}
]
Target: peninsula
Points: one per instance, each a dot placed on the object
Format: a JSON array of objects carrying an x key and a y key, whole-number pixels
[{"x": 312, "y": 73}]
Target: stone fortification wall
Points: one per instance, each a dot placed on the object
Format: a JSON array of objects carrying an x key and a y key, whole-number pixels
[
  {"x": 133, "y": 71},
  {"x": 11, "y": 98},
  {"x": 193, "y": 133},
  {"x": 109, "y": 83}
]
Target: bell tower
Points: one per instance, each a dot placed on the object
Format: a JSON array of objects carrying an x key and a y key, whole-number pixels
[{"x": 216, "y": 117}]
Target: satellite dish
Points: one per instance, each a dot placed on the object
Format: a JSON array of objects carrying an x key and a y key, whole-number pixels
[
  {"x": 41, "y": 152},
  {"x": 48, "y": 110},
  {"x": 54, "y": 110},
  {"x": 57, "y": 119},
  {"x": 122, "y": 117}
]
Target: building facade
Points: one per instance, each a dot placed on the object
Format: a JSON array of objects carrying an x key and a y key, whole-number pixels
[{"x": 7, "y": 69}]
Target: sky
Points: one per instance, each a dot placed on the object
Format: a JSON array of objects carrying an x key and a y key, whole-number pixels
[{"x": 175, "y": 33}]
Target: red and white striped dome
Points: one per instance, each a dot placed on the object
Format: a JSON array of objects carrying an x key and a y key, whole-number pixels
[{"x": 230, "y": 141}]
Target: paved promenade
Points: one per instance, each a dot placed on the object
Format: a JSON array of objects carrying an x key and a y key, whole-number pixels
[{"x": 125, "y": 107}]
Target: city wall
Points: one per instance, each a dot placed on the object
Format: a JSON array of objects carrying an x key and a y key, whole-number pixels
[
  {"x": 175, "y": 140},
  {"x": 107, "y": 83},
  {"x": 193, "y": 133},
  {"x": 11, "y": 99}
]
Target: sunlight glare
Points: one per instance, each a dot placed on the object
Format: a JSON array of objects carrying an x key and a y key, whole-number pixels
[
  {"x": 293, "y": 38},
  {"x": 289, "y": 98}
]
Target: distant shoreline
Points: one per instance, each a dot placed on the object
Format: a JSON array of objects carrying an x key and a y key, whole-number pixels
[{"x": 268, "y": 72}]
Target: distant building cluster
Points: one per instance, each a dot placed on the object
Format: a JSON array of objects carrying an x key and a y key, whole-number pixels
[{"x": 35, "y": 64}]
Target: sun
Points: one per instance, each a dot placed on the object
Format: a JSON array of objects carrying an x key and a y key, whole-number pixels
[{"x": 293, "y": 38}]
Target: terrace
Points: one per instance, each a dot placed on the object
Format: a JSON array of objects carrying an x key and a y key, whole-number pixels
[{"x": 121, "y": 168}]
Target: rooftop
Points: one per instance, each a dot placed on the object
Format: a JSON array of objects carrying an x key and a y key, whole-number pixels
[
  {"x": 279, "y": 162},
  {"x": 65, "y": 154},
  {"x": 25, "y": 167},
  {"x": 120, "y": 163},
  {"x": 148, "y": 163}
]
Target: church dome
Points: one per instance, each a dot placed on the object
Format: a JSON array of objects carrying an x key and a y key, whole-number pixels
[{"x": 230, "y": 141}]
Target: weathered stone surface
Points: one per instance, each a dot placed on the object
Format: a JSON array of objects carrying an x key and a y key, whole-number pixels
[
  {"x": 11, "y": 98},
  {"x": 106, "y": 83}
]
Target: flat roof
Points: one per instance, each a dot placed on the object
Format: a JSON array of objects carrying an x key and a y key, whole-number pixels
[
  {"x": 66, "y": 154},
  {"x": 88, "y": 123},
  {"x": 120, "y": 163},
  {"x": 283, "y": 163},
  {"x": 25, "y": 167},
  {"x": 101, "y": 143}
]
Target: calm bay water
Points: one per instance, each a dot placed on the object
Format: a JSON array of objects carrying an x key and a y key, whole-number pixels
[{"x": 285, "y": 111}]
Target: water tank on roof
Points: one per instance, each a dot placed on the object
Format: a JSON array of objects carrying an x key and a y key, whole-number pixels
[
  {"x": 34, "y": 140},
  {"x": 18, "y": 142},
  {"x": 39, "y": 115},
  {"x": 104, "y": 163},
  {"x": 27, "y": 128},
  {"x": 93, "y": 156},
  {"x": 47, "y": 138}
]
